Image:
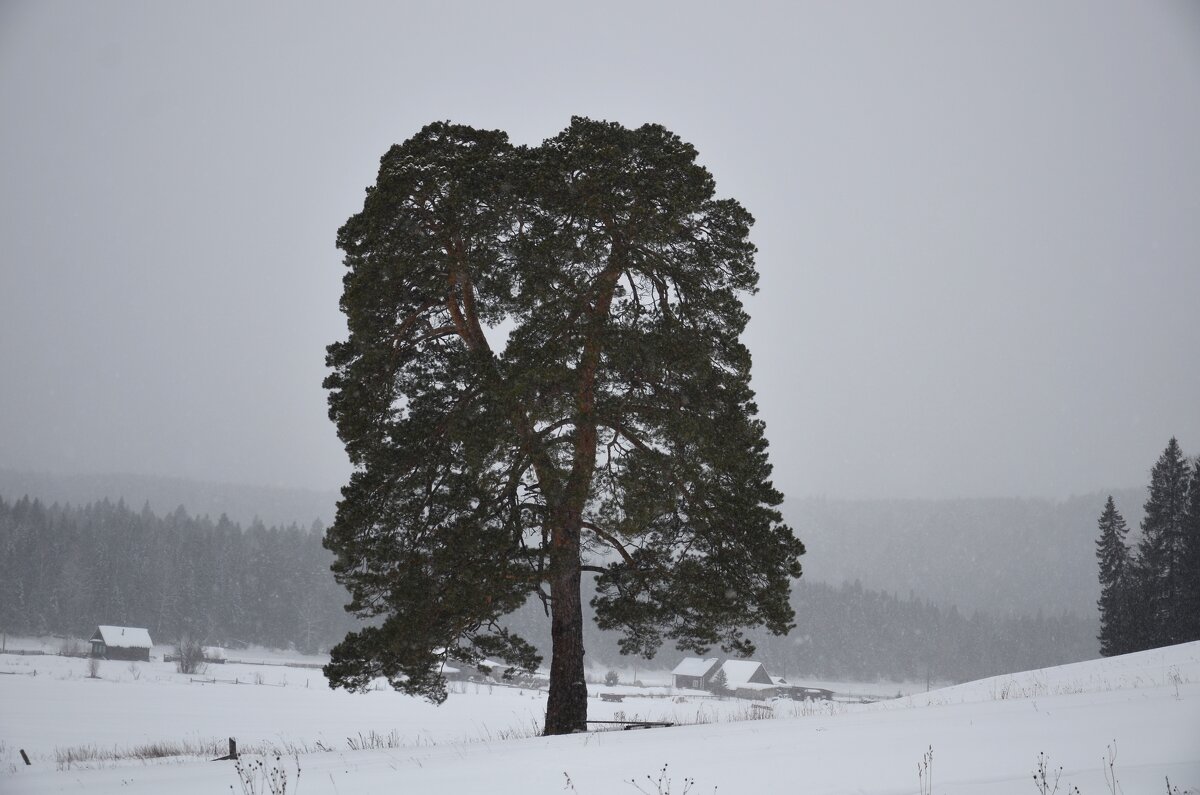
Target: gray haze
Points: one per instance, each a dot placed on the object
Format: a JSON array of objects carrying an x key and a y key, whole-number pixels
[{"x": 979, "y": 226}]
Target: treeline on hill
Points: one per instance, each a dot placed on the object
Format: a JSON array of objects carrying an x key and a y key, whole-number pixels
[
  {"x": 65, "y": 570},
  {"x": 856, "y": 633},
  {"x": 1005, "y": 556},
  {"x": 851, "y": 632},
  {"x": 1151, "y": 597}
]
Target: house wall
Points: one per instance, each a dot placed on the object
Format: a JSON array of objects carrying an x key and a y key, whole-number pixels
[
  {"x": 695, "y": 682},
  {"x": 754, "y": 693},
  {"x": 117, "y": 653}
]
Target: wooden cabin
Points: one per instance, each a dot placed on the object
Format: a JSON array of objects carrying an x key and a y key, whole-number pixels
[
  {"x": 694, "y": 672},
  {"x": 121, "y": 643}
]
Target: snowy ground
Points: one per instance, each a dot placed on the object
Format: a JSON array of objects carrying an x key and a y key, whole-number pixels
[{"x": 985, "y": 736}]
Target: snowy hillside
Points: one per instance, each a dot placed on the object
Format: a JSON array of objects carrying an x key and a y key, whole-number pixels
[{"x": 985, "y": 736}]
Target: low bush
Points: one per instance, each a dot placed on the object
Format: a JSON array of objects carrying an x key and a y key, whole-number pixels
[{"x": 189, "y": 656}]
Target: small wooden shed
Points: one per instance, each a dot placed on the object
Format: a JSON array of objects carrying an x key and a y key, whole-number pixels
[{"x": 121, "y": 643}]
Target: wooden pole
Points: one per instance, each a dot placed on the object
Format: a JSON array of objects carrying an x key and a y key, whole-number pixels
[
  {"x": 232, "y": 751},
  {"x": 25, "y": 757}
]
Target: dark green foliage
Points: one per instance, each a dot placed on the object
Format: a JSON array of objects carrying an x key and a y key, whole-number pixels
[
  {"x": 719, "y": 684},
  {"x": 1116, "y": 585},
  {"x": 1154, "y": 600},
  {"x": 614, "y": 432},
  {"x": 1190, "y": 559},
  {"x": 1162, "y": 546}
]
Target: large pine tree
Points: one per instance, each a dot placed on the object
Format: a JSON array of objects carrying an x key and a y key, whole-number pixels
[
  {"x": 1161, "y": 550},
  {"x": 1115, "y": 584},
  {"x": 543, "y": 378}
]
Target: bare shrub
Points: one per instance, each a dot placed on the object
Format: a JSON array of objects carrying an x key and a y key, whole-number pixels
[
  {"x": 94, "y": 756},
  {"x": 189, "y": 656},
  {"x": 373, "y": 740},
  {"x": 270, "y": 776},
  {"x": 1110, "y": 771},
  {"x": 1046, "y": 778},
  {"x": 661, "y": 785},
  {"x": 925, "y": 772}
]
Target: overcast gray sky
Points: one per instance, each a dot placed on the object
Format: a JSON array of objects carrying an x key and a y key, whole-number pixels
[{"x": 979, "y": 224}]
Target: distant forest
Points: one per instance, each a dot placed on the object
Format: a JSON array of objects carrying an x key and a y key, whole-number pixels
[
  {"x": 1006, "y": 556},
  {"x": 63, "y": 570},
  {"x": 851, "y": 632}
]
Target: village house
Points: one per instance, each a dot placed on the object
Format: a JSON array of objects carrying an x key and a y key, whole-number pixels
[
  {"x": 121, "y": 643},
  {"x": 741, "y": 678},
  {"x": 694, "y": 672},
  {"x": 748, "y": 679}
]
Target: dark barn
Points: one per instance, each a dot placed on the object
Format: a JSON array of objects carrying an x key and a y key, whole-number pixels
[{"x": 121, "y": 643}]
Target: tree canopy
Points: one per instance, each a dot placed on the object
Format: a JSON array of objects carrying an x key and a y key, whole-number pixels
[
  {"x": 544, "y": 377},
  {"x": 1152, "y": 599}
]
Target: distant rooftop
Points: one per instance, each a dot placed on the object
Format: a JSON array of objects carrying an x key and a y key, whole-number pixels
[
  {"x": 694, "y": 666},
  {"x": 124, "y": 637}
]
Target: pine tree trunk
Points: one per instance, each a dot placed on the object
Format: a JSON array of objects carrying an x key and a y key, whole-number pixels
[{"x": 566, "y": 708}]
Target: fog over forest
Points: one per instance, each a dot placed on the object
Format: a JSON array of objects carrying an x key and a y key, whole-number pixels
[{"x": 878, "y": 573}]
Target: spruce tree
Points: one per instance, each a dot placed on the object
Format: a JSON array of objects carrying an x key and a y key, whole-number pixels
[
  {"x": 719, "y": 684},
  {"x": 1191, "y": 559},
  {"x": 1115, "y": 571},
  {"x": 612, "y": 431},
  {"x": 1161, "y": 549}
]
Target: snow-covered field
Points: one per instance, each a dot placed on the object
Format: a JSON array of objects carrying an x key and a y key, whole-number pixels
[{"x": 985, "y": 736}]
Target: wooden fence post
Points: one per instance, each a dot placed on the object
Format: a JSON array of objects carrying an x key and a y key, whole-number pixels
[{"x": 232, "y": 752}]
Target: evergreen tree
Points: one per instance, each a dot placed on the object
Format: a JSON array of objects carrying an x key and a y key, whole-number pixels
[
  {"x": 719, "y": 684},
  {"x": 1115, "y": 570},
  {"x": 615, "y": 433},
  {"x": 1191, "y": 559},
  {"x": 1161, "y": 549}
]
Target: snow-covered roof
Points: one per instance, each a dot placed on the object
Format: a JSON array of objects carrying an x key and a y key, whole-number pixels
[
  {"x": 124, "y": 637},
  {"x": 694, "y": 666},
  {"x": 739, "y": 672}
]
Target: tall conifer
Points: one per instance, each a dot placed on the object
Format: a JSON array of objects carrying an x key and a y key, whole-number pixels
[
  {"x": 1115, "y": 570},
  {"x": 1191, "y": 559},
  {"x": 1161, "y": 550}
]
